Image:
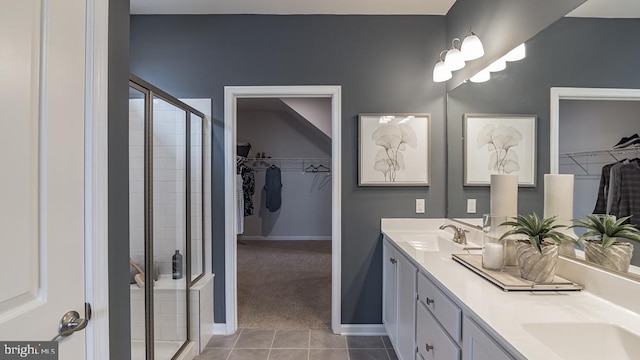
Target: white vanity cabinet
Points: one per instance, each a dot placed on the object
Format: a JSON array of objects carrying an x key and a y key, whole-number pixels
[
  {"x": 438, "y": 323},
  {"x": 399, "y": 301},
  {"x": 432, "y": 341},
  {"x": 478, "y": 345},
  {"x": 390, "y": 290},
  {"x": 424, "y": 323}
]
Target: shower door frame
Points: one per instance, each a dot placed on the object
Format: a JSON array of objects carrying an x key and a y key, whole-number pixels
[{"x": 150, "y": 91}]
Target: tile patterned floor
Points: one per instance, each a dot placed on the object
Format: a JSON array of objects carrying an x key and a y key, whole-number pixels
[{"x": 252, "y": 344}]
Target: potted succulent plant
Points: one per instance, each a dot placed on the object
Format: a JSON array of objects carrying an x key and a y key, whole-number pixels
[
  {"x": 537, "y": 253},
  {"x": 601, "y": 243}
]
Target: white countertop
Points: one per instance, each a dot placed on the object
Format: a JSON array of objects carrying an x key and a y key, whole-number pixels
[{"x": 505, "y": 314}]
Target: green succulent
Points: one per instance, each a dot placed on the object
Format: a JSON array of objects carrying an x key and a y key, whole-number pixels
[
  {"x": 537, "y": 231},
  {"x": 608, "y": 229}
]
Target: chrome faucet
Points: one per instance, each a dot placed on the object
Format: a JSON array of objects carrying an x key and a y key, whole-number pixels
[{"x": 459, "y": 234}]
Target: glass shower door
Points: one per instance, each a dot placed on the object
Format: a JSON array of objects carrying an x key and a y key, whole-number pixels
[{"x": 170, "y": 306}]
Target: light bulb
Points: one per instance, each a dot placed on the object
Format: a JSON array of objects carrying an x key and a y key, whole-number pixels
[
  {"x": 519, "y": 53},
  {"x": 497, "y": 65},
  {"x": 453, "y": 59},
  {"x": 481, "y": 77},
  {"x": 440, "y": 72},
  {"x": 472, "y": 47}
]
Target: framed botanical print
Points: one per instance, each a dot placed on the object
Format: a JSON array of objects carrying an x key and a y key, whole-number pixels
[
  {"x": 499, "y": 144},
  {"x": 393, "y": 149}
]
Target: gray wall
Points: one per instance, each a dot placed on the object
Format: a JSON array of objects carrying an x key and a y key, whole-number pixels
[
  {"x": 306, "y": 196},
  {"x": 383, "y": 64},
  {"x": 119, "y": 317},
  {"x": 587, "y": 125},
  {"x": 573, "y": 52}
]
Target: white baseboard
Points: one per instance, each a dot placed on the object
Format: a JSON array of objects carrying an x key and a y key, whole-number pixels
[
  {"x": 219, "y": 329},
  {"x": 276, "y": 237},
  {"x": 363, "y": 329}
]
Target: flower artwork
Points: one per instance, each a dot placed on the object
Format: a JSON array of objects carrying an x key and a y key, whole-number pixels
[
  {"x": 393, "y": 139},
  {"x": 500, "y": 141},
  {"x": 499, "y": 144},
  {"x": 394, "y": 149}
]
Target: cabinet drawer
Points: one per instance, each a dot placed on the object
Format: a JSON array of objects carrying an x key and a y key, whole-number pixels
[
  {"x": 431, "y": 340},
  {"x": 442, "y": 308}
]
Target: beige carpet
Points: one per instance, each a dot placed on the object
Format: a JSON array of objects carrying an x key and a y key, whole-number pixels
[{"x": 284, "y": 284}]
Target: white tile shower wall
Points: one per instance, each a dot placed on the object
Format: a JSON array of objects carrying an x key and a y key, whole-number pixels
[
  {"x": 201, "y": 313},
  {"x": 168, "y": 183}
]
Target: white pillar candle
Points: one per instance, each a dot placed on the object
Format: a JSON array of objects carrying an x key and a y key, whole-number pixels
[
  {"x": 493, "y": 256},
  {"x": 558, "y": 200},
  {"x": 504, "y": 195}
]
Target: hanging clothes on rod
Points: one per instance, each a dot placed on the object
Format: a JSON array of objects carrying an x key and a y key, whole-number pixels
[
  {"x": 248, "y": 188},
  {"x": 619, "y": 190},
  {"x": 273, "y": 188}
]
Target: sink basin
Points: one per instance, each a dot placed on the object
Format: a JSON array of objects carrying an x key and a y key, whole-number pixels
[
  {"x": 586, "y": 340},
  {"x": 432, "y": 242}
]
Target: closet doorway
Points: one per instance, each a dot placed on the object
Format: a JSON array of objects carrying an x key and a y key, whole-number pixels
[{"x": 311, "y": 170}]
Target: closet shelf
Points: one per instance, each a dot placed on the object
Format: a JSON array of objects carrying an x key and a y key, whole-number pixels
[
  {"x": 590, "y": 162},
  {"x": 291, "y": 164}
]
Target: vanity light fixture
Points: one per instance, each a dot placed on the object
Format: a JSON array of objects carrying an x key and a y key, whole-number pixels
[
  {"x": 483, "y": 76},
  {"x": 440, "y": 71},
  {"x": 453, "y": 59},
  {"x": 471, "y": 47},
  {"x": 497, "y": 65},
  {"x": 518, "y": 53}
]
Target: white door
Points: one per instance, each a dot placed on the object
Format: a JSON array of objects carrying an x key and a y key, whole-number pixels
[{"x": 42, "y": 105}]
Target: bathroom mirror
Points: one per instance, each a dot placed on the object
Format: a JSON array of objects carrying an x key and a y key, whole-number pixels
[{"x": 572, "y": 52}]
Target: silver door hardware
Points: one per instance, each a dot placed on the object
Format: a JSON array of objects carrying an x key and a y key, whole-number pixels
[
  {"x": 71, "y": 322},
  {"x": 430, "y": 301}
]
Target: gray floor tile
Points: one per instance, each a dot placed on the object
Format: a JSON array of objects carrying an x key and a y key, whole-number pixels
[
  {"x": 328, "y": 354},
  {"x": 392, "y": 354},
  {"x": 214, "y": 354},
  {"x": 249, "y": 354},
  {"x": 289, "y": 354},
  {"x": 387, "y": 342},
  {"x": 368, "y": 354},
  {"x": 223, "y": 341},
  {"x": 255, "y": 339},
  {"x": 325, "y": 339},
  {"x": 291, "y": 339},
  {"x": 365, "y": 342}
]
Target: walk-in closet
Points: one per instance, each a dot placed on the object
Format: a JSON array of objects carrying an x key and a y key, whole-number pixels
[
  {"x": 284, "y": 213},
  {"x": 595, "y": 135}
]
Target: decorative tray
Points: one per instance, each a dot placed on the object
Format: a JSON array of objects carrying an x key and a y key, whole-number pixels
[{"x": 510, "y": 280}]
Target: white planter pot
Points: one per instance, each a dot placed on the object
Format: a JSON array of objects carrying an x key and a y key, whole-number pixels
[
  {"x": 616, "y": 257},
  {"x": 535, "y": 266}
]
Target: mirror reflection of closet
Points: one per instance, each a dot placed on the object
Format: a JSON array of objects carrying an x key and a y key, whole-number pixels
[{"x": 588, "y": 132}]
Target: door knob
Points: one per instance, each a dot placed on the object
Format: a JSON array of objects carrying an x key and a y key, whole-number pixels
[
  {"x": 72, "y": 322},
  {"x": 428, "y": 347}
]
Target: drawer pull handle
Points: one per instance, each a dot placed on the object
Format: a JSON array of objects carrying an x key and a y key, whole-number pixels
[
  {"x": 393, "y": 261},
  {"x": 430, "y": 301},
  {"x": 428, "y": 347}
]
